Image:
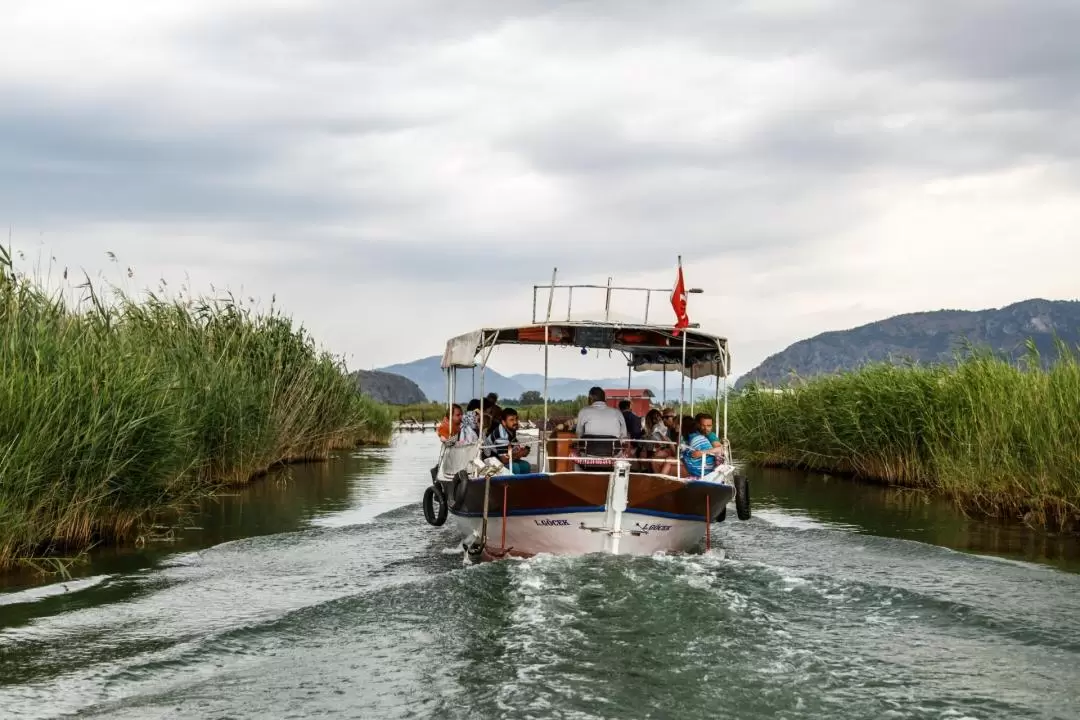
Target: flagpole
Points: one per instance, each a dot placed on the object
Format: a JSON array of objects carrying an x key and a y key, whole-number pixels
[{"x": 682, "y": 381}]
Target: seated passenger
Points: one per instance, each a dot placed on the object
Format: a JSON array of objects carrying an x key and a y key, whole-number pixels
[
  {"x": 501, "y": 444},
  {"x": 632, "y": 421},
  {"x": 705, "y": 427},
  {"x": 448, "y": 429},
  {"x": 671, "y": 424},
  {"x": 698, "y": 455},
  {"x": 470, "y": 423},
  {"x": 660, "y": 449},
  {"x": 597, "y": 421}
]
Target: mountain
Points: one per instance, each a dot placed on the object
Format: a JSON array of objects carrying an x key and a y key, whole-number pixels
[
  {"x": 927, "y": 337},
  {"x": 562, "y": 388},
  {"x": 388, "y": 387},
  {"x": 429, "y": 376}
]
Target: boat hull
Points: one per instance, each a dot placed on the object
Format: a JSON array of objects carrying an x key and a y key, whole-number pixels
[{"x": 582, "y": 512}]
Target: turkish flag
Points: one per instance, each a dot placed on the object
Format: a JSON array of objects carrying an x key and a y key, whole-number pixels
[{"x": 678, "y": 303}]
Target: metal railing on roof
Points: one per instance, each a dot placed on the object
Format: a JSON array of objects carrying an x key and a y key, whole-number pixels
[{"x": 638, "y": 316}]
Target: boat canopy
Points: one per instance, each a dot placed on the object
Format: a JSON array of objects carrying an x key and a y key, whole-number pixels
[{"x": 649, "y": 347}]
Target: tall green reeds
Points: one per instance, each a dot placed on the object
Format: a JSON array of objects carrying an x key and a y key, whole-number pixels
[
  {"x": 1002, "y": 439},
  {"x": 113, "y": 412}
]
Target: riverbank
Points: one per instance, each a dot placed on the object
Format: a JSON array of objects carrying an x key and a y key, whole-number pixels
[
  {"x": 116, "y": 414},
  {"x": 1000, "y": 440}
]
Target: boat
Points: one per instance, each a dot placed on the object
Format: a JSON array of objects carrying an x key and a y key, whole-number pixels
[{"x": 582, "y": 495}]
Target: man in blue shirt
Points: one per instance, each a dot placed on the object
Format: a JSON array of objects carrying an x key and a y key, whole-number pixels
[
  {"x": 501, "y": 443},
  {"x": 703, "y": 448}
]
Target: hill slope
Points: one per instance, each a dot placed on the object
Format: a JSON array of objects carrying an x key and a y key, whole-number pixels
[
  {"x": 926, "y": 337},
  {"x": 428, "y": 375},
  {"x": 388, "y": 387}
]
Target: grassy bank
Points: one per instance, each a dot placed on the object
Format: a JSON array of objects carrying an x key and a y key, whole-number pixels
[
  {"x": 113, "y": 413},
  {"x": 999, "y": 439}
]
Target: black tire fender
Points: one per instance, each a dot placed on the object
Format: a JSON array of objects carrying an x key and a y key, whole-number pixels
[
  {"x": 459, "y": 487},
  {"x": 432, "y": 495},
  {"x": 742, "y": 497}
]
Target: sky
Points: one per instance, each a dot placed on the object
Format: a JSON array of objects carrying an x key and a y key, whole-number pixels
[{"x": 395, "y": 172}]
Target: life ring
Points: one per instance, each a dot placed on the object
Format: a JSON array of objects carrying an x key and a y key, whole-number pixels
[
  {"x": 459, "y": 487},
  {"x": 742, "y": 497},
  {"x": 434, "y": 516}
]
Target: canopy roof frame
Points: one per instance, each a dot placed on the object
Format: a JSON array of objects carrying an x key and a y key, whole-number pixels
[{"x": 649, "y": 347}]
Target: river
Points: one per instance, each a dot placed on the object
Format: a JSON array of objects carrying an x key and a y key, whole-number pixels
[{"x": 320, "y": 592}]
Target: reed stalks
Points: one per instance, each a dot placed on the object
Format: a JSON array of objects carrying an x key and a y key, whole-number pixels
[
  {"x": 1000, "y": 438},
  {"x": 117, "y": 410}
]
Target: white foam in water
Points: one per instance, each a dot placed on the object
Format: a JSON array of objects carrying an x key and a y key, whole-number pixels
[
  {"x": 798, "y": 522},
  {"x": 38, "y": 594}
]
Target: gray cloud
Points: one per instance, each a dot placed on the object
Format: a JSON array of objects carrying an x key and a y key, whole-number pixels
[{"x": 417, "y": 140}]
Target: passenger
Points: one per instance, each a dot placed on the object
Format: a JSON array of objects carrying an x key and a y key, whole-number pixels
[
  {"x": 470, "y": 423},
  {"x": 491, "y": 404},
  {"x": 661, "y": 450},
  {"x": 669, "y": 423},
  {"x": 595, "y": 423},
  {"x": 699, "y": 456},
  {"x": 705, "y": 427},
  {"x": 598, "y": 418},
  {"x": 502, "y": 444},
  {"x": 448, "y": 429},
  {"x": 633, "y": 422}
]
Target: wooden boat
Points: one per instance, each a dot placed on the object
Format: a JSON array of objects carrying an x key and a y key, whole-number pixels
[{"x": 575, "y": 499}]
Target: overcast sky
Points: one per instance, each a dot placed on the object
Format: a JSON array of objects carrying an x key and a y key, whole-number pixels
[{"x": 398, "y": 171}]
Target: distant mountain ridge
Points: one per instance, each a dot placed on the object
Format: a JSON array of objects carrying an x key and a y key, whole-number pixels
[
  {"x": 427, "y": 373},
  {"x": 926, "y": 337},
  {"x": 388, "y": 387}
]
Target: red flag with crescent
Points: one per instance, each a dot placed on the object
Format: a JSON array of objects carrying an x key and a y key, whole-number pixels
[{"x": 678, "y": 303}]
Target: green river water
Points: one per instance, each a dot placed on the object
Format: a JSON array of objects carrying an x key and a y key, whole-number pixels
[{"x": 321, "y": 593}]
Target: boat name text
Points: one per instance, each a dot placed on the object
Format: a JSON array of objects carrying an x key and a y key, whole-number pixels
[{"x": 652, "y": 527}]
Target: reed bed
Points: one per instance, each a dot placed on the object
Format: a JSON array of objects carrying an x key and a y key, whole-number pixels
[
  {"x": 1002, "y": 439},
  {"x": 116, "y": 411}
]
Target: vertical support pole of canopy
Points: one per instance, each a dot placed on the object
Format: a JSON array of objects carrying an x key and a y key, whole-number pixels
[
  {"x": 682, "y": 387},
  {"x": 716, "y": 402},
  {"x": 691, "y": 395},
  {"x": 727, "y": 368},
  {"x": 648, "y": 297},
  {"x": 486, "y": 353},
  {"x": 663, "y": 379},
  {"x": 449, "y": 391},
  {"x": 547, "y": 351},
  {"x": 607, "y": 302}
]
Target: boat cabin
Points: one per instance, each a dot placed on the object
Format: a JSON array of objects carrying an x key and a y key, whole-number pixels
[{"x": 640, "y": 400}]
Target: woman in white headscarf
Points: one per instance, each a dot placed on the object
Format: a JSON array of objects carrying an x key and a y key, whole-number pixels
[{"x": 470, "y": 424}]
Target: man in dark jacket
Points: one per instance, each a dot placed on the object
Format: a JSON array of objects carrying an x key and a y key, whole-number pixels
[{"x": 633, "y": 422}]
